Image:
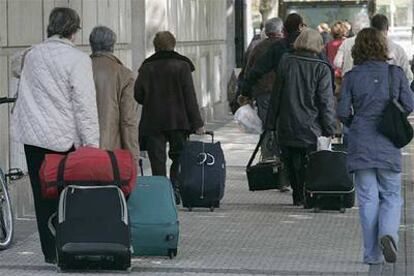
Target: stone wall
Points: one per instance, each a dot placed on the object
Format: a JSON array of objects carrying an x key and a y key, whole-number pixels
[{"x": 201, "y": 33}]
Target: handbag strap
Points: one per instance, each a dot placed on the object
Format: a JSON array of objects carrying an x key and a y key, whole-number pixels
[
  {"x": 61, "y": 172},
  {"x": 390, "y": 82},
  {"x": 249, "y": 164},
  {"x": 115, "y": 168}
]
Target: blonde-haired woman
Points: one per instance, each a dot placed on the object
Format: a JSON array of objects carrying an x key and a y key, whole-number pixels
[
  {"x": 325, "y": 31},
  {"x": 303, "y": 105},
  {"x": 339, "y": 32}
]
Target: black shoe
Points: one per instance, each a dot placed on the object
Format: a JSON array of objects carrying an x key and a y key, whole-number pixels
[
  {"x": 298, "y": 203},
  {"x": 389, "y": 249},
  {"x": 284, "y": 189},
  {"x": 50, "y": 260}
]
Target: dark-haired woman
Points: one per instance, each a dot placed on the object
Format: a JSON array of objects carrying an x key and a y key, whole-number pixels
[
  {"x": 372, "y": 157},
  {"x": 56, "y": 109}
]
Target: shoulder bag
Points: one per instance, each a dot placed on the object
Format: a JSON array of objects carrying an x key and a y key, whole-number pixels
[{"x": 394, "y": 124}]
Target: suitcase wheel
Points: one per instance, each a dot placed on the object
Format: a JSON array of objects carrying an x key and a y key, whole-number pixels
[
  {"x": 317, "y": 210},
  {"x": 172, "y": 253},
  {"x": 63, "y": 261},
  {"x": 211, "y": 208},
  {"x": 190, "y": 209},
  {"x": 342, "y": 210}
]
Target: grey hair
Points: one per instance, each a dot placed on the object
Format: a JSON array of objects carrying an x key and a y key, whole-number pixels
[
  {"x": 102, "y": 39},
  {"x": 273, "y": 25},
  {"x": 309, "y": 40}
]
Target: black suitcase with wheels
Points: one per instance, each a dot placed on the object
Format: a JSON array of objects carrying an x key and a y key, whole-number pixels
[
  {"x": 328, "y": 184},
  {"x": 265, "y": 175},
  {"x": 202, "y": 174},
  {"x": 92, "y": 230}
]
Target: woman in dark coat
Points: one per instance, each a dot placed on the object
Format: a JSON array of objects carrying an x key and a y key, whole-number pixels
[
  {"x": 303, "y": 105},
  {"x": 170, "y": 111},
  {"x": 372, "y": 157}
]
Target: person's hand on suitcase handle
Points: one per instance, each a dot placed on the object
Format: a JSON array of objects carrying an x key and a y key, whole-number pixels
[
  {"x": 200, "y": 131},
  {"x": 203, "y": 131}
]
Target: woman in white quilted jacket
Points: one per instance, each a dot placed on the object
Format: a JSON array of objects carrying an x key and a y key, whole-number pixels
[{"x": 56, "y": 108}]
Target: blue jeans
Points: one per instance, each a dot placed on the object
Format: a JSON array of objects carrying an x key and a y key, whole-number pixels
[{"x": 379, "y": 200}]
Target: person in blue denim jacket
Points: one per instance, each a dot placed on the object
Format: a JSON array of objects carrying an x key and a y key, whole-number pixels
[{"x": 372, "y": 157}]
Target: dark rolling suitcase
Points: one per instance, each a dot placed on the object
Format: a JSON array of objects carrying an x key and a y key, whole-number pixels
[
  {"x": 328, "y": 184},
  {"x": 202, "y": 174},
  {"x": 92, "y": 230},
  {"x": 265, "y": 175}
]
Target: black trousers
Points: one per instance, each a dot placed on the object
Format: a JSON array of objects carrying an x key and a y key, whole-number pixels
[
  {"x": 44, "y": 208},
  {"x": 156, "y": 147},
  {"x": 295, "y": 160}
]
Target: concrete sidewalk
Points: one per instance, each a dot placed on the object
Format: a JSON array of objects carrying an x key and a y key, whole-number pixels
[{"x": 253, "y": 233}]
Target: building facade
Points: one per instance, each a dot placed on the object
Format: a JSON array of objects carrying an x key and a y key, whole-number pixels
[{"x": 204, "y": 30}]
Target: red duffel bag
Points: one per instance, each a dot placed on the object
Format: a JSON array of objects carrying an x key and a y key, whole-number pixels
[{"x": 87, "y": 166}]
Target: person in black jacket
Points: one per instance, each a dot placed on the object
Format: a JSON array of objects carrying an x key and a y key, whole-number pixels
[
  {"x": 269, "y": 61},
  {"x": 293, "y": 25},
  {"x": 170, "y": 111},
  {"x": 303, "y": 105}
]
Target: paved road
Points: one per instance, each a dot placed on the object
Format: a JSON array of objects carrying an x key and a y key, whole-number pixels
[{"x": 253, "y": 233}]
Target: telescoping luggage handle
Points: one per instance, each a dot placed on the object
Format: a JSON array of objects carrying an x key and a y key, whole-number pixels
[
  {"x": 114, "y": 163},
  {"x": 141, "y": 167},
  {"x": 211, "y": 133}
]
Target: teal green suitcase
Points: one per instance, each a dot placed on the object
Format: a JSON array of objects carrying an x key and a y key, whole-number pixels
[{"x": 153, "y": 217}]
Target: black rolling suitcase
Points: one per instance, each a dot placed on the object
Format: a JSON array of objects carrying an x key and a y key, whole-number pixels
[
  {"x": 202, "y": 174},
  {"x": 328, "y": 184},
  {"x": 265, "y": 175},
  {"x": 92, "y": 230}
]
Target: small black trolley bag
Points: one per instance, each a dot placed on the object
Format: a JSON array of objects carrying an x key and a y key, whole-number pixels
[
  {"x": 328, "y": 184},
  {"x": 202, "y": 174},
  {"x": 265, "y": 175},
  {"x": 92, "y": 231}
]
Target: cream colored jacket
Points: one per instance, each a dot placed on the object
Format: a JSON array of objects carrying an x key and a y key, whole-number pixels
[{"x": 56, "y": 105}]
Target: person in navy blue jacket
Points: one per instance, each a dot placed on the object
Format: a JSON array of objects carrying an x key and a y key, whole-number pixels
[{"x": 372, "y": 157}]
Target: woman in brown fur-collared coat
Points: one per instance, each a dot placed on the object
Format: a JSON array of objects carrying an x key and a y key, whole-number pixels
[{"x": 170, "y": 110}]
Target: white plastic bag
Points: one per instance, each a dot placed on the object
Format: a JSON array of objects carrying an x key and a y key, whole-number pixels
[
  {"x": 248, "y": 120},
  {"x": 324, "y": 143}
]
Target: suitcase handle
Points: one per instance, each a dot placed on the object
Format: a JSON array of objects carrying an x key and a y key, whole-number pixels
[
  {"x": 210, "y": 133},
  {"x": 115, "y": 170},
  {"x": 141, "y": 167}
]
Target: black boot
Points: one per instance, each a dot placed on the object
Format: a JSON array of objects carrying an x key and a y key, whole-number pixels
[{"x": 177, "y": 196}]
